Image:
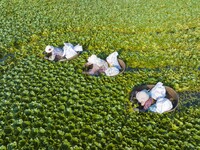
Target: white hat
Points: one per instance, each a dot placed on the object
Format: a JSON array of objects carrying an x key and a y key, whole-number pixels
[
  {"x": 142, "y": 96},
  {"x": 49, "y": 49}
]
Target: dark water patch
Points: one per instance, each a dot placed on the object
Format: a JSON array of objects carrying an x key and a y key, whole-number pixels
[
  {"x": 5, "y": 57},
  {"x": 173, "y": 68},
  {"x": 130, "y": 69},
  {"x": 187, "y": 30},
  {"x": 189, "y": 99}
]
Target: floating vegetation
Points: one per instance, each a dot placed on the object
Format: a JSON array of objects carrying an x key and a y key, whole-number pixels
[
  {"x": 47, "y": 101},
  {"x": 52, "y": 105}
]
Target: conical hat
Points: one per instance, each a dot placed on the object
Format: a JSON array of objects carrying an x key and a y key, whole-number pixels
[{"x": 142, "y": 96}]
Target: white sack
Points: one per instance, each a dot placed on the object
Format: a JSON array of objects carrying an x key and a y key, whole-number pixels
[
  {"x": 69, "y": 50},
  {"x": 162, "y": 105},
  {"x": 112, "y": 71},
  {"x": 93, "y": 59},
  {"x": 78, "y": 48},
  {"x": 158, "y": 91},
  {"x": 112, "y": 60}
]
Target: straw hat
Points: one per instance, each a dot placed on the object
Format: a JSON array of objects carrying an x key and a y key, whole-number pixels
[
  {"x": 142, "y": 96},
  {"x": 49, "y": 49}
]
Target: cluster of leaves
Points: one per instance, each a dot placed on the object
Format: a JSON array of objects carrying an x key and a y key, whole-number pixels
[
  {"x": 54, "y": 106},
  {"x": 144, "y": 38}
]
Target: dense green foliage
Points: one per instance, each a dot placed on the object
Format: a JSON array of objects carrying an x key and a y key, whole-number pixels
[{"x": 54, "y": 106}]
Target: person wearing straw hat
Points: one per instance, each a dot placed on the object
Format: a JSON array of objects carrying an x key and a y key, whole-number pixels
[
  {"x": 144, "y": 99},
  {"x": 60, "y": 54}
]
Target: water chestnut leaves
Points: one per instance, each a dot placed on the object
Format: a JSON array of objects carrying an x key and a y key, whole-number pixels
[{"x": 52, "y": 105}]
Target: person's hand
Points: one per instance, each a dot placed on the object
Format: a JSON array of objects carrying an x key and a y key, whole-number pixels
[{"x": 148, "y": 103}]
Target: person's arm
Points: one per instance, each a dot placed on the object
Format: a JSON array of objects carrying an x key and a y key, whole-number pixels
[{"x": 52, "y": 57}]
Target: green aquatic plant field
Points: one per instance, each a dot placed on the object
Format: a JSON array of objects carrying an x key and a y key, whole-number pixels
[{"x": 52, "y": 105}]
